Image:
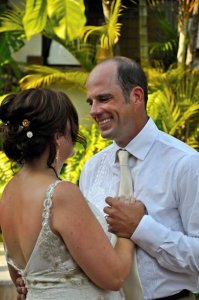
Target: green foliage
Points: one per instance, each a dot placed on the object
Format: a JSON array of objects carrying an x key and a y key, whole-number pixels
[
  {"x": 64, "y": 19},
  {"x": 163, "y": 52},
  {"x": 6, "y": 171},
  {"x": 173, "y": 95},
  {"x": 43, "y": 76},
  {"x": 71, "y": 171},
  {"x": 7, "y": 168},
  {"x": 61, "y": 21},
  {"x": 10, "y": 71},
  {"x": 173, "y": 104},
  {"x": 110, "y": 31}
]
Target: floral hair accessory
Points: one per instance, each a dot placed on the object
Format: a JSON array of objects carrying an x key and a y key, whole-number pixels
[
  {"x": 29, "y": 134},
  {"x": 6, "y": 123},
  {"x": 26, "y": 123}
]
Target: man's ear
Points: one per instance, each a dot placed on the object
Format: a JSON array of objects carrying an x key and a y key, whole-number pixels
[{"x": 137, "y": 95}]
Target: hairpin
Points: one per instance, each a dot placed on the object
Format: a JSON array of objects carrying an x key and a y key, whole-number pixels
[
  {"x": 6, "y": 123},
  {"x": 29, "y": 134},
  {"x": 25, "y": 123}
]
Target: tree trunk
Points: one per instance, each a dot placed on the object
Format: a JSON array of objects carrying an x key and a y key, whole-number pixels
[
  {"x": 193, "y": 32},
  {"x": 183, "y": 41},
  {"x": 188, "y": 15},
  {"x": 144, "y": 57}
]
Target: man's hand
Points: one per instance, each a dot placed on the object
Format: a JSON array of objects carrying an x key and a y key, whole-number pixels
[
  {"x": 21, "y": 289},
  {"x": 123, "y": 217}
]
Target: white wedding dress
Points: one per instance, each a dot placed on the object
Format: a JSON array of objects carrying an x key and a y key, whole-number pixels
[{"x": 51, "y": 273}]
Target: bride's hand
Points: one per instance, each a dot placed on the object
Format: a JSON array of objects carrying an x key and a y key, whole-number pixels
[{"x": 21, "y": 289}]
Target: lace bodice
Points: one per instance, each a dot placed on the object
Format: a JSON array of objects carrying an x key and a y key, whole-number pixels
[{"x": 51, "y": 272}]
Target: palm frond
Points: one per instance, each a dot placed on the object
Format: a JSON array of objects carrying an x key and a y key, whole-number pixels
[
  {"x": 6, "y": 172},
  {"x": 185, "y": 118},
  {"x": 85, "y": 53},
  {"x": 2, "y": 97},
  {"x": 11, "y": 20},
  {"x": 89, "y": 30},
  {"x": 46, "y": 76},
  {"x": 154, "y": 2},
  {"x": 174, "y": 106},
  {"x": 110, "y": 32},
  {"x": 187, "y": 87},
  {"x": 113, "y": 27},
  {"x": 164, "y": 110}
]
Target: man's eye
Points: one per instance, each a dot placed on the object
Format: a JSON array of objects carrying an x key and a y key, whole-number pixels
[
  {"x": 89, "y": 102},
  {"x": 105, "y": 98}
]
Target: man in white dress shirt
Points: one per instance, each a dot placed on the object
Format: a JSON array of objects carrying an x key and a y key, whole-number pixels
[{"x": 165, "y": 175}]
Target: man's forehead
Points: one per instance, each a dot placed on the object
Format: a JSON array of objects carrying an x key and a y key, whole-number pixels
[{"x": 104, "y": 67}]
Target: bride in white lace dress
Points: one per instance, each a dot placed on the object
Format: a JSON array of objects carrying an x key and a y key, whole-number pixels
[{"x": 53, "y": 238}]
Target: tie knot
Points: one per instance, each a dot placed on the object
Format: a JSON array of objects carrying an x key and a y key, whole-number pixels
[{"x": 123, "y": 157}]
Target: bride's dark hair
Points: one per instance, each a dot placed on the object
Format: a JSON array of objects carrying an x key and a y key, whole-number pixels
[{"x": 30, "y": 120}]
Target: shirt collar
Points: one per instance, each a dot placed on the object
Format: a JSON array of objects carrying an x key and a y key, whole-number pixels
[{"x": 140, "y": 145}]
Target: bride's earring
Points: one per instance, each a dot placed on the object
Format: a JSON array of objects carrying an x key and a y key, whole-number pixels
[{"x": 57, "y": 155}]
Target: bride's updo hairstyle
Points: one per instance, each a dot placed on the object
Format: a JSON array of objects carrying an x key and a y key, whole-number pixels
[{"x": 30, "y": 120}]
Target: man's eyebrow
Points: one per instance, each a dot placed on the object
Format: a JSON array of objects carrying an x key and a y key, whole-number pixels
[{"x": 99, "y": 97}]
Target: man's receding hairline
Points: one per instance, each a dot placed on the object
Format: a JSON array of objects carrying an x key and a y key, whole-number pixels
[{"x": 102, "y": 64}]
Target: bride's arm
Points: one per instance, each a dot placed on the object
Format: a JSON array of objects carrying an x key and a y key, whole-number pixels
[
  {"x": 13, "y": 274},
  {"x": 72, "y": 218}
]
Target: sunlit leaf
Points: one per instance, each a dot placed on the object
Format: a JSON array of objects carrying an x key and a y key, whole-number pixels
[
  {"x": 35, "y": 17},
  {"x": 45, "y": 76},
  {"x": 11, "y": 20},
  {"x": 110, "y": 32},
  {"x": 67, "y": 17}
]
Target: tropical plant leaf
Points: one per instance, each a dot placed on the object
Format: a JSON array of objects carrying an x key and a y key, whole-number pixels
[
  {"x": 67, "y": 18},
  {"x": 45, "y": 76},
  {"x": 175, "y": 107},
  {"x": 85, "y": 53},
  {"x": 110, "y": 32},
  {"x": 191, "y": 111},
  {"x": 9, "y": 42},
  {"x": 6, "y": 172},
  {"x": 35, "y": 17},
  {"x": 11, "y": 20},
  {"x": 113, "y": 27}
]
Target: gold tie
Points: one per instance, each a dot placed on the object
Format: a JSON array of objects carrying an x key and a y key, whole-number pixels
[
  {"x": 132, "y": 285},
  {"x": 126, "y": 182}
]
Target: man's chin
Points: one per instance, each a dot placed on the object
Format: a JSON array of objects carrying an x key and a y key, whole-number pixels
[{"x": 106, "y": 135}]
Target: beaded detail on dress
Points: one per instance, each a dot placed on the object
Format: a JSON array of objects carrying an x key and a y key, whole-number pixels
[{"x": 51, "y": 273}]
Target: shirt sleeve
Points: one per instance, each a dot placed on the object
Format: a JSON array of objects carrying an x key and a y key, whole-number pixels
[{"x": 174, "y": 250}]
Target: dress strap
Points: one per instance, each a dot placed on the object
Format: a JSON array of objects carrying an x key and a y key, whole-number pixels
[{"x": 48, "y": 202}]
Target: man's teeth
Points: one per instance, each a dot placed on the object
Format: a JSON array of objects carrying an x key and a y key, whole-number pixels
[{"x": 104, "y": 121}]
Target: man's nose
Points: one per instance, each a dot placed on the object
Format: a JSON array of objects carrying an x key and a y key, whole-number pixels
[{"x": 95, "y": 109}]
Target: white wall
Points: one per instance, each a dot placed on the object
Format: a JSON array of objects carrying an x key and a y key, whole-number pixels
[{"x": 31, "y": 48}]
